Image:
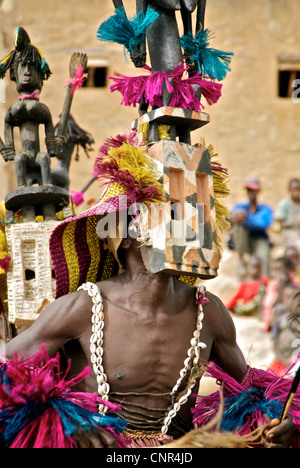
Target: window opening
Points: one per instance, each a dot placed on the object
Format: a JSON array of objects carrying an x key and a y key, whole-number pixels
[{"x": 288, "y": 72}]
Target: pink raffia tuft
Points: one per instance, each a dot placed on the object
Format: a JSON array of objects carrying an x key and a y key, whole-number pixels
[
  {"x": 39, "y": 409},
  {"x": 123, "y": 161},
  {"x": 150, "y": 88},
  {"x": 77, "y": 82},
  {"x": 35, "y": 95},
  {"x": 116, "y": 142},
  {"x": 4, "y": 263},
  {"x": 273, "y": 394},
  {"x": 77, "y": 197},
  {"x": 134, "y": 190}
]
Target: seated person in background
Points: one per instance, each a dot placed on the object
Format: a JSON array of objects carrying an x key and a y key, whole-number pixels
[
  {"x": 283, "y": 277},
  {"x": 285, "y": 332},
  {"x": 250, "y": 221},
  {"x": 248, "y": 298},
  {"x": 288, "y": 215},
  {"x": 294, "y": 254},
  {"x": 295, "y": 314}
]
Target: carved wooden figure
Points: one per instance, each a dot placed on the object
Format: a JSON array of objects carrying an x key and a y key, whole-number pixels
[
  {"x": 163, "y": 37},
  {"x": 75, "y": 137},
  {"x": 29, "y": 69}
]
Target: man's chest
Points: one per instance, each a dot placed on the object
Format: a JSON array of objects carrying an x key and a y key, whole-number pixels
[{"x": 149, "y": 355}]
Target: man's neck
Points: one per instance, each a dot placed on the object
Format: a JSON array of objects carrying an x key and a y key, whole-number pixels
[
  {"x": 150, "y": 291},
  {"x": 253, "y": 206}
]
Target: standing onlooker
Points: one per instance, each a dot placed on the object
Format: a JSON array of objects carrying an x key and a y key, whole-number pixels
[
  {"x": 288, "y": 215},
  {"x": 250, "y": 221}
]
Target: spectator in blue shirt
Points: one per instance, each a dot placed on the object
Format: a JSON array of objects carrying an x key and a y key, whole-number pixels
[{"x": 250, "y": 222}]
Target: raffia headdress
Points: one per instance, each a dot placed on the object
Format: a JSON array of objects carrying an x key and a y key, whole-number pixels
[{"x": 129, "y": 176}]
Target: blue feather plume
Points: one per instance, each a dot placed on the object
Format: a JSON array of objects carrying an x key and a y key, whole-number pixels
[
  {"x": 210, "y": 62},
  {"x": 28, "y": 392},
  {"x": 12, "y": 421},
  {"x": 239, "y": 408},
  {"x": 127, "y": 32},
  {"x": 72, "y": 416}
]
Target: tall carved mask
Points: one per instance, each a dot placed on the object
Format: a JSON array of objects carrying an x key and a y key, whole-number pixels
[{"x": 180, "y": 235}]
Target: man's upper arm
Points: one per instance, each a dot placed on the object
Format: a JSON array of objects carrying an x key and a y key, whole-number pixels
[
  {"x": 57, "y": 324},
  {"x": 226, "y": 352}
]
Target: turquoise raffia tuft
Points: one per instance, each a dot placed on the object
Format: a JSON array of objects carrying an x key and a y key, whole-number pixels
[
  {"x": 129, "y": 32},
  {"x": 210, "y": 62}
]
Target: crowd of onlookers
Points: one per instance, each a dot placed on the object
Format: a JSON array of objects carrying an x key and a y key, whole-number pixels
[{"x": 269, "y": 287}]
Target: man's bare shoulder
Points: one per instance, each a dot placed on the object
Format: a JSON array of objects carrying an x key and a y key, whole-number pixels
[
  {"x": 65, "y": 319},
  {"x": 112, "y": 287},
  {"x": 70, "y": 304},
  {"x": 73, "y": 308},
  {"x": 215, "y": 302},
  {"x": 217, "y": 317}
]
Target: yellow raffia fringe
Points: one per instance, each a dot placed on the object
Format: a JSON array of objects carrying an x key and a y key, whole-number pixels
[
  {"x": 163, "y": 131},
  {"x": 191, "y": 280},
  {"x": 108, "y": 269},
  {"x": 221, "y": 190},
  {"x": 3, "y": 61}
]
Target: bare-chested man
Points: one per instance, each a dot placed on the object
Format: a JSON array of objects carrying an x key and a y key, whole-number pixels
[{"x": 149, "y": 321}]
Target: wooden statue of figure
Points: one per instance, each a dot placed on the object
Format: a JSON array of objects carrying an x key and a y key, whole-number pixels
[
  {"x": 183, "y": 68},
  {"x": 163, "y": 36},
  {"x": 178, "y": 77},
  {"x": 75, "y": 137},
  {"x": 29, "y": 69},
  {"x": 164, "y": 31}
]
